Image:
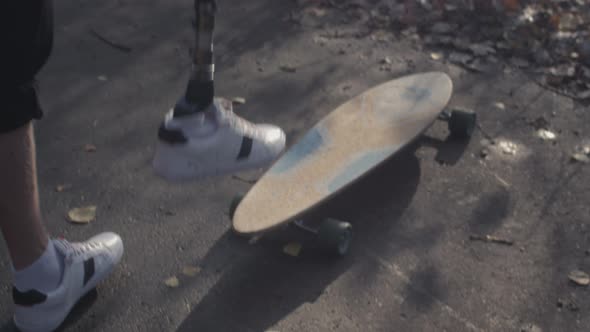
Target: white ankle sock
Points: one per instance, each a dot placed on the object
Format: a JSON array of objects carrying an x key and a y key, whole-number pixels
[{"x": 43, "y": 275}]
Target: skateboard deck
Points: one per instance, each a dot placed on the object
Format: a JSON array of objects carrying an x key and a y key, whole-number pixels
[{"x": 342, "y": 147}]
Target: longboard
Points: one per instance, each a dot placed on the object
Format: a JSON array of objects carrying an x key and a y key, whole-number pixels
[{"x": 346, "y": 144}]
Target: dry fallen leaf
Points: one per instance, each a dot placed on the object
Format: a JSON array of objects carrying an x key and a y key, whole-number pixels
[
  {"x": 62, "y": 187},
  {"x": 491, "y": 238},
  {"x": 502, "y": 181},
  {"x": 172, "y": 282},
  {"x": 317, "y": 12},
  {"x": 82, "y": 215},
  {"x": 239, "y": 100},
  {"x": 579, "y": 278},
  {"x": 292, "y": 249},
  {"x": 563, "y": 71},
  {"x": 436, "y": 56},
  {"x": 546, "y": 134},
  {"x": 90, "y": 148},
  {"x": 580, "y": 157},
  {"x": 191, "y": 271},
  {"x": 508, "y": 148},
  {"x": 500, "y": 105}
]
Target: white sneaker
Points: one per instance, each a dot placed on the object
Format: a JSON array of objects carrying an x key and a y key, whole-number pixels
[
  {"x": 214, "y": 142},
  {"x": 85, "y": 264}
]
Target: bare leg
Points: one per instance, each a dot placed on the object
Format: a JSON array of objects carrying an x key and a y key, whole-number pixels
[
  {"x": 42, "y": 298},
  {"x": 39, "y": 263},
  {"x": 20, "y": 216}
]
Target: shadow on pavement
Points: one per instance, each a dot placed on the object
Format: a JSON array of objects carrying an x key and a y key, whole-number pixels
[
  {"x": 449, "y": 151},
  {"x": 267, "y": 286},
  {"x": 79, "y": 310}
]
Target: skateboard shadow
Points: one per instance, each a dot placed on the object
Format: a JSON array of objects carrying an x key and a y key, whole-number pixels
[
  {"x": 8, "y": 327},
  {"x": 265, "y": 285},
  {"x": 449, "y": 151}
]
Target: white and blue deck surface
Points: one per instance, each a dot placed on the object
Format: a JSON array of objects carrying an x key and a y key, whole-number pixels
[{"x": 346, "y": 144}]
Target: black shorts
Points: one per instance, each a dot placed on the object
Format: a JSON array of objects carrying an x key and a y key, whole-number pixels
[{"x": 26, "y": 36}]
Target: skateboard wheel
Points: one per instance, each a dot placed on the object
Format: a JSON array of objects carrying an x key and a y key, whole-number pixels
[
  {"x": 462, "y": 123},
  {"x": 234, "y": 205},
  {"x": 335, "y": 236}
]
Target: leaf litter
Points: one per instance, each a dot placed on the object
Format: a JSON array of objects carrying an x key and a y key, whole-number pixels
[
  {"x": 546, "y": 135},
  {"x": 293, "y": 249},
  {"x": 191, "y": 271},
  {"x": 90, "y": 148},
  {"x": 82, "y": 215},
  {"x": 172, "y": 282},
  {"x": 549, "y": 39},
  {"x": 579, "y": 278},
  {"x": 62, "y": 187},
  {"x": 491, "y": 239}
]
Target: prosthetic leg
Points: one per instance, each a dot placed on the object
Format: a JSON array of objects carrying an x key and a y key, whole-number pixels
[
  {"x": 202, "y": 136},
  {"x": 201, "y": 87}
]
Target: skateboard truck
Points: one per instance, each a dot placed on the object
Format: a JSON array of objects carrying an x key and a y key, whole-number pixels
[
  {"x": 461, "y": 122},
  {"x": 334, "y": 236}
]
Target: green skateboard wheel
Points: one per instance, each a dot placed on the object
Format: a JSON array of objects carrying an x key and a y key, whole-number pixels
[
  {"x": 335, "y": 236},
  {"x": 462, "y": 123}
]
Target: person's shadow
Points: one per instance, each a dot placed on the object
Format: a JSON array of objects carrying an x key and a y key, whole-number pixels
[
  {"x": 265, "y": 286},
  {"x": 79, "y": 310}
]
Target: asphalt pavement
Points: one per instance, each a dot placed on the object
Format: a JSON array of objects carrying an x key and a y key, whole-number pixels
[{"x": 415, "y": 264}]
